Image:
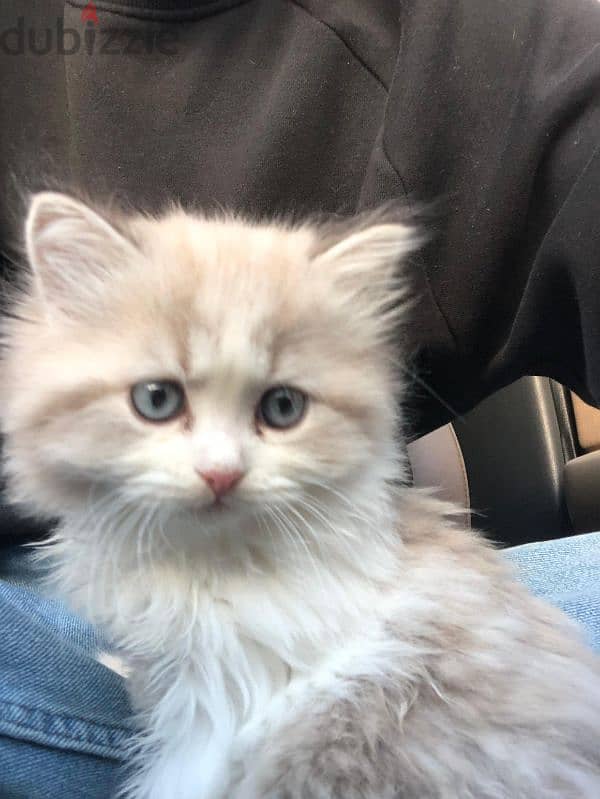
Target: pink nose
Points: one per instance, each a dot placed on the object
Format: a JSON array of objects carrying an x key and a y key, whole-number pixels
[{"x": 221, "y": 483}]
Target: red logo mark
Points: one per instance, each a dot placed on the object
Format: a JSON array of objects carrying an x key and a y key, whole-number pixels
[{"x": 89, "y": 14}]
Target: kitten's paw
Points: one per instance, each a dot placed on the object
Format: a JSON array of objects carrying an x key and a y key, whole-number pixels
[{"x": 114, "y": 663}]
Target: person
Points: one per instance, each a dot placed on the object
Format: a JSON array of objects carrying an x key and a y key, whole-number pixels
[{"x": 485, "y": 112}]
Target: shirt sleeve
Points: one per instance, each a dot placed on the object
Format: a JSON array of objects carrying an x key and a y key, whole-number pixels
[{"x": 494, "y": 119}]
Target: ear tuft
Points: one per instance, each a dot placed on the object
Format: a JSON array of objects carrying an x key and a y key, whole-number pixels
[
  {"x": 364, "y": 256},
  {"x": 73, "y": 252},
  {"x": 372, "y": 249}
]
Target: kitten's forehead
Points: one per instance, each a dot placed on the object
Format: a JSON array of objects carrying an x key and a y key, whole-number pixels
[
  {"x": 226, "y": 252},
  {"x": 229, "y": 288}
]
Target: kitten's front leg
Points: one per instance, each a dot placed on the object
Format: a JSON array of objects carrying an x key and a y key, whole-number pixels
[
  {"x": 179, "y": 769},
  {"x": 328, "y": 747},
  {"x": 331, "y": 770},
  {"x": 179, "y": 753}
]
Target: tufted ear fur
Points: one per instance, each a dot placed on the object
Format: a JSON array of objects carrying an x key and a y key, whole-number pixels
[
  {"x": 73, "y": 252},
  {"x": 364, "y": 256}
]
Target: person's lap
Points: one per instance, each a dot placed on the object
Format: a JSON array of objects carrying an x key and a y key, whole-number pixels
[
  {"x": 566, "y": 573},
  {"x": 64, "y": 716}
]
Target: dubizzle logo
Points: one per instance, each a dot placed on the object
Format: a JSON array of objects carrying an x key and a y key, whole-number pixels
[
  {"x": 90, "y": 14},
  {"x": 130, "y": 40}
]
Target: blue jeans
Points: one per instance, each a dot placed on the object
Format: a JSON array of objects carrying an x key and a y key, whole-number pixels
[{"x": 63, "y": 716}]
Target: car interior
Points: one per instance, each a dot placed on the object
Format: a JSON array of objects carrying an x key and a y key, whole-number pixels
[{"x": 526, "y": 461}]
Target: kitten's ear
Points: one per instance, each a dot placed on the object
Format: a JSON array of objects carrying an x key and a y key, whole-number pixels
[
  {"x": 363, "y": 257},
  {"x": 367, "y": 250},
  {"x": 73, "y": 252}
]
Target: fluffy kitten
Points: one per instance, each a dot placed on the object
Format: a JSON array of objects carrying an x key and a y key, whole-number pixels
[{"x": 210, "y": 407}]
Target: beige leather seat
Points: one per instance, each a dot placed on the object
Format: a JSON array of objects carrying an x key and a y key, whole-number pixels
[{"x": 437, "y": 461}]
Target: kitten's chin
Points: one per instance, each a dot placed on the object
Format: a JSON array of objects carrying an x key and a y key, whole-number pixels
[
  {"x": 217, "y": 508},
  {"x": 215, "y": 512}
]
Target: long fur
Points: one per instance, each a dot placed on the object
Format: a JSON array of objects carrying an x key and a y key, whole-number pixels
[{"x": 329, "y": 633}]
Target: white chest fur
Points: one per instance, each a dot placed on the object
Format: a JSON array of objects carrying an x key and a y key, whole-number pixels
[
  {"x": 215, "y": 649},
  {"x": 207, "y": 683},
  {"x": 210, "y": 665}
]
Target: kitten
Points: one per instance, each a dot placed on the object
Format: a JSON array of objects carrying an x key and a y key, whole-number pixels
[{"x": 209, "y": 406}]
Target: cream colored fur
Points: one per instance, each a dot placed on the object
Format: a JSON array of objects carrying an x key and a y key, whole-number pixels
[{"x": 327, "y": 634}]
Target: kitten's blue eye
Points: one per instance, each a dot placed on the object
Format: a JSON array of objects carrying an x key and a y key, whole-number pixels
[
  {"x": 282, "y": 407},
  {"x": 158, "y": 402}
]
